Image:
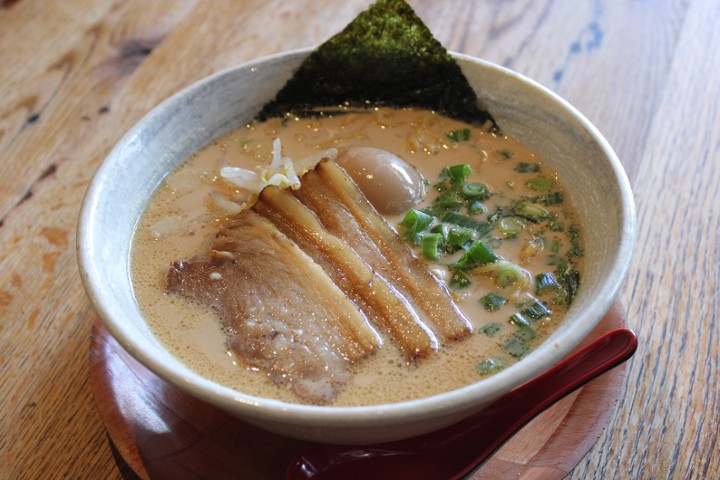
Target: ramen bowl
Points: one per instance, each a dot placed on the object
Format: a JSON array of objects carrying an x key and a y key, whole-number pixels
[{"x": 181, "y": 125}]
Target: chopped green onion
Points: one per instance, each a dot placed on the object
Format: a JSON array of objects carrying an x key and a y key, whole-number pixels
[
  {"x": 492, "y": 301},
  {"x": 448, "y": 201},
  {"x": 415, "y": 221},
  {"x": 491, "y": 329},
  {"x": 541, "y": 184},
  {"x": 505, "y": 153},
  {"x": 491, "y": 365},
  {"x": 555, "y": 247},
  {"x": 510, "y": 226},
  {"x": 552, "y": 198},
  {"x": 431, "y": 243},
  {"x": 475, "y": 207},
  {"x": 569, "y": 278},
  {"x": 472, "y": 190},
  {"x": 441, "y": 186},
  {"x": 545, "y": 282},
  {"x": 506, "y": 273},
  {"x": 459, "y": 135},
  {"x": 461, "y": 220},
  {"x": 516, "y": 347},
  {"x": 535, "y": 310},
  {"x": 575, "y": 249},
  {"x": 556, "y": 225},
  {"x": 530, "y": 211},
  {"x": 456, "y": 238},
  {"x": 496, "y": 215},
  {"x": 478, "y": 254},
  {"x": 440, "y": 228},
  {"x": 526, "y": 334},
  {"x": 458, "y": 173},
  {"x": 509, "y": 274},
  {"x": 524, "y": 167},
  {"x": 459, "y": 280},
  {"x": 519, "y": 319},
  {"x": 459, "y": 236}
]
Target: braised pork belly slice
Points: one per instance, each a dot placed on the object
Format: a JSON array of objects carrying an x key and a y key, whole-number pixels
[
  {"x": 344, "y": 211},
  {"x": 281, "y": 311},
  {"x": 381, "y": 303}
]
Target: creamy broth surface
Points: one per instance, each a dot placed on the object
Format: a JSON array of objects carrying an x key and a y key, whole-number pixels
[{"x": 185, "y": 215}]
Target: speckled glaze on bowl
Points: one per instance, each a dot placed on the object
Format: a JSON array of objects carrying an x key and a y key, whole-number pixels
[{"x": 185, "y": 122}]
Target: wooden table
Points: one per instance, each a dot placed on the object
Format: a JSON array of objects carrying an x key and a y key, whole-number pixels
[{"x": 76, "y": 74}]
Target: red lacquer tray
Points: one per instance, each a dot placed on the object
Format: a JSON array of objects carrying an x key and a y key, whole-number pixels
[{"x": 163, "y": 433}]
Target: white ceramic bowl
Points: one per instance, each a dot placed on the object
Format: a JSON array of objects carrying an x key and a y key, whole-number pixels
[{"x": 191, "y": 118}]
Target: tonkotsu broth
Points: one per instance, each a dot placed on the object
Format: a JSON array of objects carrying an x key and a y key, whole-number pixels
[{"x": 182, "y": 220}]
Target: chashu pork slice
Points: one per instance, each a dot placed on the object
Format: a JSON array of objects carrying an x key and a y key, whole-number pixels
[
  {"x": 379, "y": 300},
  {"x": 333, "y": 196},
  {"x": 281, "y": 311}
]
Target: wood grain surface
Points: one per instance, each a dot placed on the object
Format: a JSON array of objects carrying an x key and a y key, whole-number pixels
[{"x": 76, "y": 74}]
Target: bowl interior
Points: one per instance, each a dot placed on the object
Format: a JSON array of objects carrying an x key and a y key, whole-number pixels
[{"x": 190, "y": 119}]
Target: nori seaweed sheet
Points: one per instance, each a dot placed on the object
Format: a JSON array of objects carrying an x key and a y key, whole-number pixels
[{"x": 387, "y": 56}]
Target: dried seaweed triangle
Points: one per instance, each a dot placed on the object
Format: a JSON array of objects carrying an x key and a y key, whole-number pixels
[{"x": 387, "y": 56}]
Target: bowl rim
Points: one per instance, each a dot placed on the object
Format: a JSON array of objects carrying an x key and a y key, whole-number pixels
[{"x": 369, "y": 415}]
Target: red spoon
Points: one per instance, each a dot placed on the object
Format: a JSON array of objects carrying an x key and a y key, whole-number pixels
[{"x": 457, "y": 450}]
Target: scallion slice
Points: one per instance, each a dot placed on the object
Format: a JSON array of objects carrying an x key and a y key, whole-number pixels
[
  {"x": 448, "y": 201},
  {"x": 510, "y": 227},
  {"x": 569, "y": 278},
  {"x": 459, "y": 135},
  {"x": 530, "y": 211},
  {"x": 491, "y": 329},
  {"x": 524, "y": 167},
  {"x": 478, "y": 254},
  {"x": 516, "y": 347},
  {"x": 534, "y": 310},
  {"x": 492, "y": 301},
  {"x": 416, "y": 222},
  {"x": 431, "y": 244},
  {"x": 463, "y": 221},
  {"x": 474, "y": 190},
  {"x": 458, "y": 173},
  {"x": 546, "y": 282},
  {"x": 540, "y": 184},
  {"x": 491, "y": 365},
  {"x": 459, "y": 280},
  {"x": 551, "y": 198},
  {"x": 459, "y": 236},
  {"x": 526, "y": 334},
  {"x": 475, "y": 207},
  {"x": 509, "y": 274}
]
